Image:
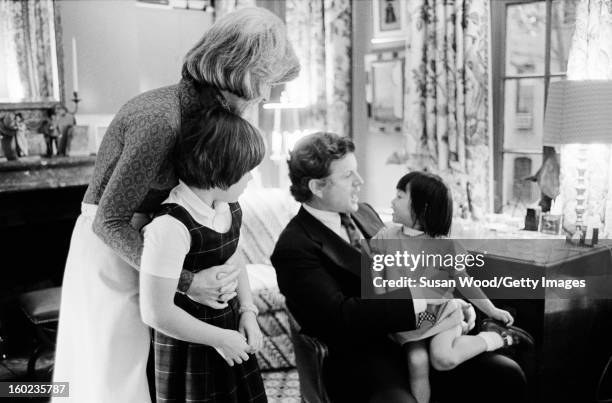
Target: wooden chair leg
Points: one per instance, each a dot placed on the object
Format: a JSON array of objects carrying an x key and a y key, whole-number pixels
[
  {"x": 2, "y": 349},
  {"x": 32, "y": 361},
  {"x": 50, "y": 371}
]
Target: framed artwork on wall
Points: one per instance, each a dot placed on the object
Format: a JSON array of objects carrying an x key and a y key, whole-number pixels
[
  {"x": 385, "y": 91},
  {"x": 79, "y": 141},
  {"x": 389, "y": 20},
  {"x": 198, "y": 5}
]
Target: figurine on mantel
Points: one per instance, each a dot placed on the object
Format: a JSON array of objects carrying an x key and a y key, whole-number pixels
[
  {"x": 8, "y": 132},
  {"x": 58, "y": 129},
  {"x": 21, "y": 139},
  {"x": 65, "y": 127},
  {"x": 49, "y": 129}
]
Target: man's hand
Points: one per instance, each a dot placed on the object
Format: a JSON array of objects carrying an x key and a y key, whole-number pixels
[
  {"x": 469, "y": 314},
  {"x": 215, "y": 286},
  {"x": 502, "y": 316}
]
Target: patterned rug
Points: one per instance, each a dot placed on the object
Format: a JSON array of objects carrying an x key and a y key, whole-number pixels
[
  {"x": 277, "y": 352},
  {"x": 282, "y": 386}
]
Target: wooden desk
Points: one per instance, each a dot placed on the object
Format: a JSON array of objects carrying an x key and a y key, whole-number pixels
[{"x": 573, "y": 336}]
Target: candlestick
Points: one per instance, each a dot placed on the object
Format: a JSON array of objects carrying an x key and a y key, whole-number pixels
[
  {"x": 75, "y": 73},
  {"x": 75, "y": 99}
]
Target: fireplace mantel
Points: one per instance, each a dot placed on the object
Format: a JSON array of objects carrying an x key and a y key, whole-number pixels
[{"x": 45, "y": 173}]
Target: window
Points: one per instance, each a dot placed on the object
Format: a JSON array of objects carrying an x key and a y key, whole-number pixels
[{"x": 531, "y": 41}]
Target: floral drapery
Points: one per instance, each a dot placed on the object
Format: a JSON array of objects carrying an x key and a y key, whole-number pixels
[
  {"x": 223, "y": 7},
  {"x": 320, "y": 31},
  {"x": 446, "y": 100},
  {"x": 26, "y": 29},
  {"x": 591, "y": 51}
]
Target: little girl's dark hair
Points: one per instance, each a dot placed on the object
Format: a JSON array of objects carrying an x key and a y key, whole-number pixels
[
  {"x": 216, "y": 148},
  {"x": 432, "y": 203}
]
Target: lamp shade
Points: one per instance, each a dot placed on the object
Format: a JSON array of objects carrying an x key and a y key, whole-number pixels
[{"x": 578, "y": 112}]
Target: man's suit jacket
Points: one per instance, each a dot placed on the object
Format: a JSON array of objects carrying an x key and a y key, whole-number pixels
[{"x": 319, "y": 274}]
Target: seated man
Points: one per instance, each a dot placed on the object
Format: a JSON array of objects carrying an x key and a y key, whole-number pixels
[{"x": 318, "y": 264}]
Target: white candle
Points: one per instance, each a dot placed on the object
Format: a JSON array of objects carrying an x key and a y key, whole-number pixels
[{"x": 75, "y": 72}]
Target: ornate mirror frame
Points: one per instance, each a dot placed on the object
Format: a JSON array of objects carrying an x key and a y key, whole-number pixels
[{"x": 60, "y": 70}]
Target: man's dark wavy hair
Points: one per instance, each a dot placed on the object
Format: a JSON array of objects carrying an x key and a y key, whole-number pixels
[
  {"x": 311, "y": 159},
  {"x": 216, "y": 148}
]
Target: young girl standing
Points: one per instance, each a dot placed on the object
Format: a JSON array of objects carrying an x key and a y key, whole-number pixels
[
  {"x": 202, "y": 353},
  {"x": 423, "y": 207}
]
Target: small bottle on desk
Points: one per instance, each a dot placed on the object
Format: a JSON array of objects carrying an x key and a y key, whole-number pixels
[{"x": 592, "y": 231}]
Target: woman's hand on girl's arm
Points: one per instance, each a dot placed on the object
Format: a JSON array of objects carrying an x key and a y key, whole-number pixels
[
  {"x": 166, "y": 243},
  {"x": 145, "y": 149},
  {"x": 212, "y": 287},
  {"x": 158, "y": 311}
]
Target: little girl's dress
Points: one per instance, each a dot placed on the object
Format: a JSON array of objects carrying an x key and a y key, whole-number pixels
[{"x": 436, "y": 318}]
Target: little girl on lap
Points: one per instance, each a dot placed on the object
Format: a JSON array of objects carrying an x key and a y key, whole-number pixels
[{"x": 423, "y": 209}]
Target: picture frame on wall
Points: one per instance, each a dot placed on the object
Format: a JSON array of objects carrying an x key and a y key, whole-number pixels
[
  {"x": 385, "y": 91},
  {"x": 389, "y": 20},
  {"x": 388, "y": 90},
  {"x": 79, "y": 141}
]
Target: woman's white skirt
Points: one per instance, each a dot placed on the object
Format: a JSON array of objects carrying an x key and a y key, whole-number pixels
[{"x": 102, "y": 343}]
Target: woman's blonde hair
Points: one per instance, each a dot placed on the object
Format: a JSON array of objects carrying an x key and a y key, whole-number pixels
[{"x": 243, "y": 51}]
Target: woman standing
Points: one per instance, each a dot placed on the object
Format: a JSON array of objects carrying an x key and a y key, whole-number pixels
[{"x": 103, "y": 345}]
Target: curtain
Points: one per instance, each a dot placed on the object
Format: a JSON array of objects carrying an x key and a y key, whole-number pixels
[
  {"x": 320, "y": 31},
  {"x": 590, "y": 58},
  {"x": 29, "y": 26},
  {"x": 223, "y": 7},
  {"x": 10, "y": 86},
  {"x": 446, "y": 98},
  {"x": 590, "y": 55}
]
